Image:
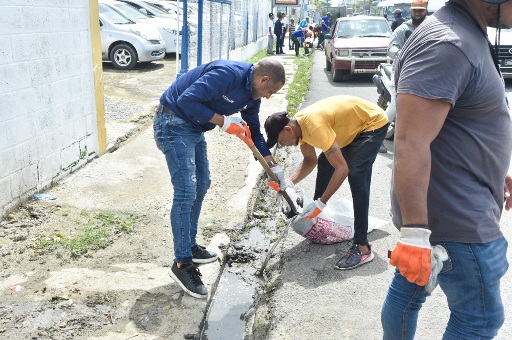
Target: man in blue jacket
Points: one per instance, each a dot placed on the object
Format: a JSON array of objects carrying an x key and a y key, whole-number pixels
[
  {"x": 196, "y": 102},
  {"x": 325, "y": 26}
]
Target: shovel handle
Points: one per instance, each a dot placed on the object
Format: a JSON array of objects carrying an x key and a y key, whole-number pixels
[{"x": 246, "y": 138}]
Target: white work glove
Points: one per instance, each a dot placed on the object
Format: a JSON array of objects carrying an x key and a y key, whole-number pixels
[
  {"x": 313, "y": 209},
  {"x": 281, "y": 186},
  {"x": 439, "y": 255},
  {"x": 233, "y": 125},
  {"x": 292, "y": 193}
]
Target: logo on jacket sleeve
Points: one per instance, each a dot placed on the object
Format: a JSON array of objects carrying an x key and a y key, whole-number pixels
[{"x": 227, "y": 99}]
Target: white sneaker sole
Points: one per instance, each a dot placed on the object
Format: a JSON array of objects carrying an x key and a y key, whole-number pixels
[
  {"x": 189, "y": 292},
  {"x": 211, "y": 259}
]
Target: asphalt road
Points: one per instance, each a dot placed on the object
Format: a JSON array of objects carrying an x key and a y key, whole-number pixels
[{"x": 313, "y": 300}]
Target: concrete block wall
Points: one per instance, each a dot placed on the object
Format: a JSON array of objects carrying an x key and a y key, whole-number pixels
[{"x": 48, "y": 122}]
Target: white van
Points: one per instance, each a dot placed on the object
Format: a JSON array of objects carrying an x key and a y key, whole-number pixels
[{"x": 385, "y": 9}]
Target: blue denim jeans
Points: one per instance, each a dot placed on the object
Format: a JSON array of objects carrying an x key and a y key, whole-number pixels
[
  {"x": 184, "y": 148},
  {"x": 470, "y": 280},
  {"x": 360, "y": 156}
]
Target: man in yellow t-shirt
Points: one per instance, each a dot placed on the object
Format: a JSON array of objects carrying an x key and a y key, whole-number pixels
[{"x": 349, "y": 131}]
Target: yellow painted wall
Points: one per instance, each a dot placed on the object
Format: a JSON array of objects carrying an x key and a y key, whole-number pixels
[{"x": 98, "y": 75}]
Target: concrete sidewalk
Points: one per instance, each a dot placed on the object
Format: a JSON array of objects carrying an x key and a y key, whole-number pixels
[{"x": 135, "y": 179}]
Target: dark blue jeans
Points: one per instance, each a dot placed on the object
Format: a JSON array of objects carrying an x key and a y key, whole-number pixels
[
  {"x": 359, "y": 155},
  {"x": 470, "y": 279},
  {"x": 279, "y": 44},
  {"x": 184, "y": 148}
]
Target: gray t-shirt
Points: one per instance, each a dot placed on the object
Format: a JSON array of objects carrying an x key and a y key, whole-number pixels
[{"x": 448, "y": 58}]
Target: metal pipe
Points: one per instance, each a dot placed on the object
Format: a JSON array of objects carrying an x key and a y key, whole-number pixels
[
  {"x": 184, "y": 41},
  {"x": 200, "y": 33}
]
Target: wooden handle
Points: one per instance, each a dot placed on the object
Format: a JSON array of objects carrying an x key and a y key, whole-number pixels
[{"x": 273, "y": 177}]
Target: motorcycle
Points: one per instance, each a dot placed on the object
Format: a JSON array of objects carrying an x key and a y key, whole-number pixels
[{"x": 382, "y": 80}]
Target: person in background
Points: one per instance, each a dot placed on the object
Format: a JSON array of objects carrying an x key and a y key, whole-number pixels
[
  {"x": 397, "y": 13},
  {"x": 278, "y": 31},
  {"x": 198, "y": 101},
  {"x": 325, "y": 26},
  {"x": 284, "y": 22},
  {"x": 291, "y": 29},
  {"x": 349, "y": 131},
  {"x": 297, "y": 36},
  {"x": 270, "y": 28},
  {"x": 304, "y": 24},
  {"x": 453, "y": 141},
  {"x": 397, "y": 41}
]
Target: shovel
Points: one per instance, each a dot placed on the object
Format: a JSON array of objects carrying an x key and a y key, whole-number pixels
[{"x": 246, "y": 138}]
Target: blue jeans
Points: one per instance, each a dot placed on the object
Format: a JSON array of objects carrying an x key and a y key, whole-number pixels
[
  {"x": 360, "y": 156},
  {"x": 184, "y": 148},
  {"x": 470, "y": 280}
]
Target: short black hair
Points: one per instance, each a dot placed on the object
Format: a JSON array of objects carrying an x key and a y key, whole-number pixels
[{"x": 271, "y": 68}]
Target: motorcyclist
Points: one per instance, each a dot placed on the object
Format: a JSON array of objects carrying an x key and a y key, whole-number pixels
[{"x": 397, "y": 41}]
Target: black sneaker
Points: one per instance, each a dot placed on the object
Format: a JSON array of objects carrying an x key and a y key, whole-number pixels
[
  {"x": 354, "y": 258},
  {"x": 201, "y": 255},
  {"x": 189, "y": 278}
]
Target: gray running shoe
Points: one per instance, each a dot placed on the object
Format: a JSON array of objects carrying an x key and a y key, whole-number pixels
[{"x": 354, "y": 258}]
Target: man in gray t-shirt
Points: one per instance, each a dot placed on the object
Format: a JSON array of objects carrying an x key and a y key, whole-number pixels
[{"x": 453, "y": 142}]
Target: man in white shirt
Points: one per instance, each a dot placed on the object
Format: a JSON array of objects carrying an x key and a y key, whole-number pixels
[
  {"x": 270, "y": 34},
  {"x": 284, "y": 22}
]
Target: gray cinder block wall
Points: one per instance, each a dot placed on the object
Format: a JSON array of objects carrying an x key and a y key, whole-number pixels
[{"x": 48, "y": 121}]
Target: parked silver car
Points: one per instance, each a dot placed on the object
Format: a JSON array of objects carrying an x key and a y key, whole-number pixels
[
  {"x": 167, "y": 27},
  {"x": 124, "y": 42}
]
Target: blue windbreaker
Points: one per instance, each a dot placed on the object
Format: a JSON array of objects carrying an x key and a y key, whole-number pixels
[{"x": 221, "y": 86}]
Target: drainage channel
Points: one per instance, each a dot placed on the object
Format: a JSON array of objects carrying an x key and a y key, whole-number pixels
[{"x": 234, "y": 296}]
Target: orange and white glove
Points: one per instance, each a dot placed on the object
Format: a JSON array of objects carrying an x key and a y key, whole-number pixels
[
  {"x": 412, "y": 255},
  {"x": 281, "y": 186},
  {"x": 313, "y": 209},
  {"x": 233, "y": 125}
]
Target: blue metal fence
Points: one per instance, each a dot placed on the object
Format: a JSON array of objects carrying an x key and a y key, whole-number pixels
[{"x": 221, "y": 26}]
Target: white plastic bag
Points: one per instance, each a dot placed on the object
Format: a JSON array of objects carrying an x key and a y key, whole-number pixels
[{"x": 333, "y": 225}]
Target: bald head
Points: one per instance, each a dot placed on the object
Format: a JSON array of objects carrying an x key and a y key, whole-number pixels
[{"x": 272, "y": 69}]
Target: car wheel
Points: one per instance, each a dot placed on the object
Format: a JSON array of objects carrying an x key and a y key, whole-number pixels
[
  {"x": 337, "y": 75},
  {"x": 383, "y": 103},
  {"x": 328, "y": 64},
  {"x": 123, "y": 57}
]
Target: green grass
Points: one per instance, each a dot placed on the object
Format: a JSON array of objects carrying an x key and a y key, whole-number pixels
[
  {"x": 94, "y": 231},
  {"x": 299, "y": 85}
]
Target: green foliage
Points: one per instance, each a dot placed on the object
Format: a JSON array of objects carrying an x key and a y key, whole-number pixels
[
  {"x": 300, "y": 84},
  {"x": 94, "y": 231}
]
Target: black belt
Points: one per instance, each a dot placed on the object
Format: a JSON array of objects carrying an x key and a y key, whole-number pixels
[{"x": 162, "y": 108}]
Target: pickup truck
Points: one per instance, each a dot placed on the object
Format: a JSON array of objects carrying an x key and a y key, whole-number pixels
[
  {"x": 356, "y": 45},
  {"x": 504, "y": 51}
]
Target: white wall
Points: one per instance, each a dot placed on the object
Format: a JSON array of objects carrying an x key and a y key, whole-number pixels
[{"x": 48, "y": 124}]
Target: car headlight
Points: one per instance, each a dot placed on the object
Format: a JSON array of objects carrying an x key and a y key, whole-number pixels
[{"x": 342, "y": 53}]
